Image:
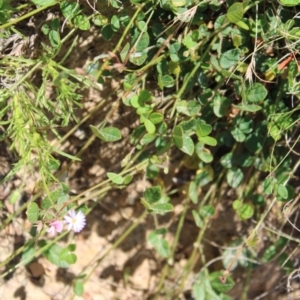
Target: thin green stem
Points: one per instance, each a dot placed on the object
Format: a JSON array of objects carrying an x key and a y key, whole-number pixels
[{"x": 32, "y": 13}]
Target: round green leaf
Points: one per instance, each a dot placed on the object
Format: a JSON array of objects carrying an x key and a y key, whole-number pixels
[
  {"x": 218, "y": 285},
  {"x": 82, "y": 22},
  {"x": 166, "y": 81},
  {"x": 230, "y": 58},
  {"x": 256, "y": 93},
  {"x": 203, "y": 129},
  {"x": 234, "y": 177},
  {"x": 238, "y": 135},
  {"x": 246, "y": 211},
  {"x": 153, "y": 194},
  {"x": 107, "y": 32}
]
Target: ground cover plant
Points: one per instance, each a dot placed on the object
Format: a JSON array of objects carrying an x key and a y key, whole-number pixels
[{"x": 165, "y": 130}]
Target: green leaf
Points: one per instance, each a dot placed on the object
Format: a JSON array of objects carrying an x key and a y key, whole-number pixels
[
  {"x": 148, "y": 138},
  {"x": 124, "y": 52},
  {"x": 14, "y": 197},
  {"x": 238, "y": 135},
  {"x": 33, "y": 212},
  {"x": 197, "y": 219},
  {"x": 193, "y": 192},
  {"x": 128, "y": 179},
  {"x": 166, "y": 81},
  {"x": 156, "y": 118},
  {"x": 269, "y": 185},
  {"x": 53, "y": 255},
  {"x": 234, "y": 177},
  {"x": 269, "y": 253},
  {"x": 54, "y": 38},
  {"x": 110, "y": 134},
  {"x": 220, "y": 105},
  {"x": 145, "y": 96},
  {"x": 44, "y": 2},
  {"x": 107, "y": 32},
  {"x": 182, "y": 108},
  {"x": 45, "y": 29},
  {"x": 69, "y": 9},
  {"x": 150, "y": 127},
  {"x": 205, "y": 156},
  {"x": 188, "y": 146},
  {"x": 274, "y": 131},
  {"x": 230, "y": 58},
  {"x": 28, "y": 254},
  {"x": 100, "y": 20},
  {"x": 204, "y": 176},
  {"x": 153, "y": 194},
  {"x": 282, "y": 191},
  {"x": 82, "y": 22},
  {"x": 256, "y": 93},
  {"x": 143, "y": 42},
  {"x": 58, "y": 198},
  {"x": 218, "y": 285},
  {"x": 78, "y": 288},
  {"x": 115, "y": 22},
  {"x": 159, "y": 243},
  {"x": 193, "y": 107},
  {"x": 203, "y": 129},
  {"x": 161, "y": 208},
  {"x": 235, "y": 12},
  {"x": 177, "y": 136},
  {"x": 242, "y": 25},
  {"x": 117, "y": 179},
  {"x": 68, "y": 256},
  {"x": 244, "y": 210},
  {"x": 207, "y": 211},
  {"x": 208, "y": 140},
  {"x": 107, "y": 134},
  {"x": 289, "y": 2},
  {"x": 53, "y": 164}
]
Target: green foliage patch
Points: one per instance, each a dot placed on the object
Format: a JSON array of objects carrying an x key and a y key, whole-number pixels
[{"x": 214, "y": 89}]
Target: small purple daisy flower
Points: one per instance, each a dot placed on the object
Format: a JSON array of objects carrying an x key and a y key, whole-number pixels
[
  {"x": 75, "y": 221},
  {"x": 55, "y": 226}
]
